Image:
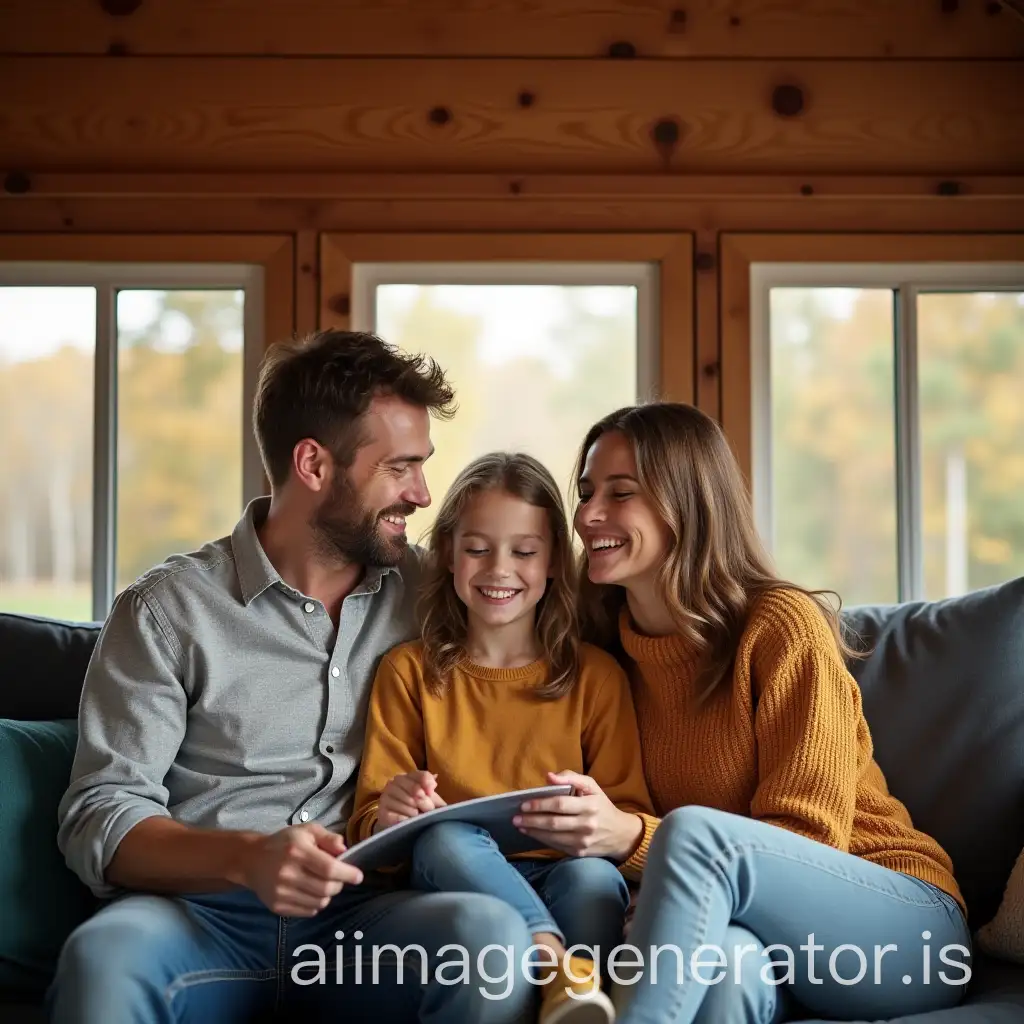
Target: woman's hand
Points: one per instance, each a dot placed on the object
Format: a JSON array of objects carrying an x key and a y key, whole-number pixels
[
  {"x": 405, "y": 796},
  {"x": 586, "y": 824}
]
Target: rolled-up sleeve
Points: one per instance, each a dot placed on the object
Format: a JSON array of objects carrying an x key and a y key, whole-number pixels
[{"x": 131, "y": 722}]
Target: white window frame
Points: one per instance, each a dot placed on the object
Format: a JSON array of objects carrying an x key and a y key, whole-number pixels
[
  {"x": 906, "y": 281},
  {"x": 107, "y": 279},
  {"x": 366, "y": 277}
]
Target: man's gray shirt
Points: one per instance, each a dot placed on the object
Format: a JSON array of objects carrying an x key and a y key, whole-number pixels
[{"x": 221, "y": 697}]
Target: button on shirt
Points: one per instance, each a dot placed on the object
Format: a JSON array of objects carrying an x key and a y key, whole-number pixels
[{"x": 221, "y": 697}]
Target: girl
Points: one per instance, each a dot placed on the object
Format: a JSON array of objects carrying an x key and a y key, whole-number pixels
[
  {"x": 496, "y": 695},
  {"x": 779, "y": 830}
]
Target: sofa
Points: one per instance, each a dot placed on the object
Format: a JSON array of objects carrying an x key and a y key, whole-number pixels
[{"x": 943, "y": 687}]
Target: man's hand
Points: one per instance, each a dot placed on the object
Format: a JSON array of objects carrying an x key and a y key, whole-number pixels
[
  {"x": 295, "y": 871},
  {"x": 586, "y": 824},
  {"x": 405, "y": 796}
]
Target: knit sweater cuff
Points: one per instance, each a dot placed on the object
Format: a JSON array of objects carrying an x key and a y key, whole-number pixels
[
  {"x": 633, "y": 868},
  {"x": 362, "y": 827}
]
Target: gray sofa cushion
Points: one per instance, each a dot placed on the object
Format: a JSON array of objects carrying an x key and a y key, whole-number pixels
[{"x": 944, "y": 697}]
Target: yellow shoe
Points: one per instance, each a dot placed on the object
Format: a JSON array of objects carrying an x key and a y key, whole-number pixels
[{"x": 587, "y": 1004}]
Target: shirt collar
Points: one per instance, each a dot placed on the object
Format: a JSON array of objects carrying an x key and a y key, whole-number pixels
[{"x": 255, "y": 571}]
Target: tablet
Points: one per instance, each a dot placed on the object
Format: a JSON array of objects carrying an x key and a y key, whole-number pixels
[{"x": 393, "y": 845}]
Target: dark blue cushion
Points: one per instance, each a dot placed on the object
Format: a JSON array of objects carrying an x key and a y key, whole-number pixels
[
  {"x": 42, "y": 666},
  {"x": 944, "y": 697}
]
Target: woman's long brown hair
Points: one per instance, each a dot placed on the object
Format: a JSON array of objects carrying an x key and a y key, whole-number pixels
[
  {"x": 443, "y": 615},
  {"x": 717, "y": 567}
]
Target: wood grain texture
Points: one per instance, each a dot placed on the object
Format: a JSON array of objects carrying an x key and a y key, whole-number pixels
[
  {"x": 655, "y": 188},
  {"x": 672, "y": 253},
  {"x": 707, "y": 362},
  {"x": 739, "y": 251},
  {"x": 511, "y": 28},
  {"x": 143, "y": 214},
  {"x": 172, "y": 114},
  {"x": 307, "y": 282}
]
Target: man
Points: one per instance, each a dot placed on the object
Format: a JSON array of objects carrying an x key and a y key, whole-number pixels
[{"x": 221, "y": 726}]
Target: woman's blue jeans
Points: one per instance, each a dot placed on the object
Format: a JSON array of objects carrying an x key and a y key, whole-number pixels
[
  {"x": 854, "y": 941},
  {"x": 581, "y": 900}
]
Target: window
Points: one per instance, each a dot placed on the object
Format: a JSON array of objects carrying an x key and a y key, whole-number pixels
[
  {"x": 536, "y": 352},
  {"x": 888, "y": 426},
  {"x": 123, "y": 399}
]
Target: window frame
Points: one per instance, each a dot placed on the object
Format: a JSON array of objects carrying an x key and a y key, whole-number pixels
[
  {"x": 908, "y": 266},
  {"x": 260, "y": 265},
  {"x": 353, "y": 264}
]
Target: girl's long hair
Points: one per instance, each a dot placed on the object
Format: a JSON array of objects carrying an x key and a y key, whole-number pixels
[
  {"x": 442, "y": 613},
  {"x": 717, "y": 567}
]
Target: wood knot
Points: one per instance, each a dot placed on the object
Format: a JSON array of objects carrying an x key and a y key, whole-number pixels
[
  {"x": 117, "y": 48},
  {"x": 120, "y": 8},
  {"x": 677, "y": 20},
  {"x": 339, "y": 304},
  {"x": 704, "y": 261},
  {"x": 788, "y": 100},
  {"x": 17, "y": 183},
  {"x": 526, "y": 98},
  {"x": 949, "y": 188},
  {"x": 735, "y": 21},
  {"x": 807, "y": 190},
  {"x": 666, "y": 132},
  {"x": 439, "y": 115},
  {"x": 622, "y": 51},
  {"x": 709, "y": 370}
]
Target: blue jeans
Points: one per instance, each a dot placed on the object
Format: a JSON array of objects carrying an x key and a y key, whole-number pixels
[
  {"x": 146, "y": 959},
  {"x": 582, "y": 900},
  {"x": 867, "y": 942}
]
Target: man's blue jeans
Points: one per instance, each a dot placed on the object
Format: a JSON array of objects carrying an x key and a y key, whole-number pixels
[
  {"x": 581, "y": 900},
  {"x": 736, "y": 895},
  {"x": 225, "y": 958}
]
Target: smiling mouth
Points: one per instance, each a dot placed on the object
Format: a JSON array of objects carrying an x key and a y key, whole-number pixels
[
  {"x": 605, "y": 545},
  {"x": 498, "y": 595},
  {"x": 395, "y": 521}
]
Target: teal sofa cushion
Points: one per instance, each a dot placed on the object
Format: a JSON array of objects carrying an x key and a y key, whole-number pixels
[{"x": 41, "y": 899}]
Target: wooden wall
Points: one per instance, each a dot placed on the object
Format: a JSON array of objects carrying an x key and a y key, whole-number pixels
[{"x": 302, "y": 117}]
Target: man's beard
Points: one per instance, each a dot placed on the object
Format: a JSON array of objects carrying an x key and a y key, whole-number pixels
[{"x": 345, "y": 529}]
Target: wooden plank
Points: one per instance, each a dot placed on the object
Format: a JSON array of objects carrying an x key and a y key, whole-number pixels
[
  {"x": 507, "y": 214},
  {"x": 707, "y": 365},
  {"x": 655, "y": 188},
  {"x": 739, "y": 251},
  {"x": 339, "y": 253},
  {"x": 509, "y": 28},
  {"x": 222, "y": 114},
  {"x": 307, "y": 282}
]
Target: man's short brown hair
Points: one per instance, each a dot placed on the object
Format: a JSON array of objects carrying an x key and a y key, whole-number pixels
[{"x": 321, "y": 386}]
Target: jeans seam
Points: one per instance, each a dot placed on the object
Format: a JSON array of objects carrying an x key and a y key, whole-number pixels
[
  {"x": 282, "y": 942},
  {"x": 192, "y": 978},
  {"x": 702, "y": 927}
]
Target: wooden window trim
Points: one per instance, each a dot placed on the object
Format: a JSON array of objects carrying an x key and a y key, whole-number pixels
[
  {"x": 673, "y": 254},
  {"x": 738, "y": 252}
]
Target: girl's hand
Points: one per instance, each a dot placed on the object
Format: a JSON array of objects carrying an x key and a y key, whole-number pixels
[
  {"x": 586, "y": 824},
  {"x": 405, "y": 796}
]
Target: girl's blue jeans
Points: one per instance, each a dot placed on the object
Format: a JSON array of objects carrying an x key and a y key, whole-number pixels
[
  {"x": 852, "y": 940},
  {"x": 581, "y": 900}
]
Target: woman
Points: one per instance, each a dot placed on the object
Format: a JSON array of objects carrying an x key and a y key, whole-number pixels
[{"x": 778, "y": 828}]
